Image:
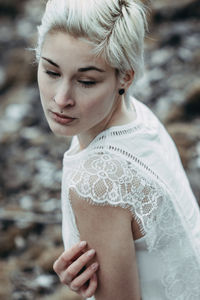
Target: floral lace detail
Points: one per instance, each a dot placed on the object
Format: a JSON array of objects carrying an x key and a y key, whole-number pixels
[
  {"x": 181, "y": 281},
  {"x": 106, "y": 179}
]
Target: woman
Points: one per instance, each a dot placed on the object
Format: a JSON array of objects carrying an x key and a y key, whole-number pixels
[{"x": 124, "y": 190}]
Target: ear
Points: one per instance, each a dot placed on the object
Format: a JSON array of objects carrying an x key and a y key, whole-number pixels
[{"x": 127, "y": 79}]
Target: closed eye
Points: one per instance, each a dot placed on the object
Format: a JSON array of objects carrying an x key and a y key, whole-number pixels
[
  {"x": 52, "y": 74},
  {"x": 87, "y": 84}
]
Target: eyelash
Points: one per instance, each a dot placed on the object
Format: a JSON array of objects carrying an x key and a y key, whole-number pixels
[
  {"x": 52, "y": 74},
  {"x": 85, "y": 84}
]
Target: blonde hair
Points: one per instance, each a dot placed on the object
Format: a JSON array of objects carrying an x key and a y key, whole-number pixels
[{"x": 115, "y": 28}]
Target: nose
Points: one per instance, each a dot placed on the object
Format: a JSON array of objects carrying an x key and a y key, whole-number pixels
[{"x": 63, "y": 97}]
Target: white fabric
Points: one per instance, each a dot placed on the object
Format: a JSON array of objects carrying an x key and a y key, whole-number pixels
[{"x": 136, "y": 166}]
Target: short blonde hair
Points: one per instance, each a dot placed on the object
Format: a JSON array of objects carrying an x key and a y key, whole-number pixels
[{"x": 115, "y": 28}]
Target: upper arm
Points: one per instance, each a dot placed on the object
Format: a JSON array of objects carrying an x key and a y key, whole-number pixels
[
  {"x": 108, "y": 230},
  {"x": 113, "y": 185}
]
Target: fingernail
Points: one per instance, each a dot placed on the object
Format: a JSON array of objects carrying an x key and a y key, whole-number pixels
[
  {"x": 75, "y": 289},
  {"x": 94, "y": 266},
  {"x": 82, "y": 244},
  {"x": 91, "y": 252}
]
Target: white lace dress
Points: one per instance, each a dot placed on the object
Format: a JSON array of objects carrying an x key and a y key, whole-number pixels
[{"x": 136, "y": 166}]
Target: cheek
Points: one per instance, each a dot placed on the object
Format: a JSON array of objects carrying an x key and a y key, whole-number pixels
[{"x": 103, "y": 100}]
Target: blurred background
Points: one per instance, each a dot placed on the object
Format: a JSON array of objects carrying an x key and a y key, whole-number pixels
[{"x": 31, "y": 157}]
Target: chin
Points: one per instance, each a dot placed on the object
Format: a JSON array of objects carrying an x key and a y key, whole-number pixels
[{"x": 61, "y": 131}]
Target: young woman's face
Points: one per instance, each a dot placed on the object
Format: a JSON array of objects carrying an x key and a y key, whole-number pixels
[{"x": 79, "y": 92}]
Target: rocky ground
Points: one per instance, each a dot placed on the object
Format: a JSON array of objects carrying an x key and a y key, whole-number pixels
[{"x": 31, "y": 157}]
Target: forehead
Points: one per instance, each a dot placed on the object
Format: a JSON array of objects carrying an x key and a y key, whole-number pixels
[{"x": 66, "y": 49}]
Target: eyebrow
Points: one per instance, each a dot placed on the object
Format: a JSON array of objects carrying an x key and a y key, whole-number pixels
[
  {"x": 90, "y": 68},
  {"x": 51, "y": 62},
  {"x": 85, "y": 69}
]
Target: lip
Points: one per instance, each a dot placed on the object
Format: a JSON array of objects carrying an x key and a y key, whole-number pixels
[{"x": 62, "y": 119}]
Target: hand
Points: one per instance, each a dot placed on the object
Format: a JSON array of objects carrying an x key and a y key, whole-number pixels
[{"x": 73, "y": 270}]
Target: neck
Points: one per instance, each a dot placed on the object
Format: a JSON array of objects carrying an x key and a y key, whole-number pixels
[{"x": 120, "y": 115}]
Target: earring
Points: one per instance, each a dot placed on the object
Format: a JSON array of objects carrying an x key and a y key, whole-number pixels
[{"x": 121, "y": 92}]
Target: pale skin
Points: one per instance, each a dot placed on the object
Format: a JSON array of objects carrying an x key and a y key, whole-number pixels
[
  {"x": 80, "y": 96},
  {"x": 69, "y": 267}
]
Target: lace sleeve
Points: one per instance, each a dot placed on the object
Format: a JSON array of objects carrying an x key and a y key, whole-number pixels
[
  {"x": 107, "y": 180},
  {"x": 112, "y": 180}
]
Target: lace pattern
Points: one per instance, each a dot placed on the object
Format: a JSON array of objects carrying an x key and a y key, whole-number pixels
[{"x": 105, "y": 180}]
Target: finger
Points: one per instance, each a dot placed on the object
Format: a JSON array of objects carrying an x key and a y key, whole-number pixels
[
  {"x": 88, "y": 291},
  {"x": 77, "y": 267},
  {"x": 68, "y": 256},
  {"x": 79, "y": 281}
]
